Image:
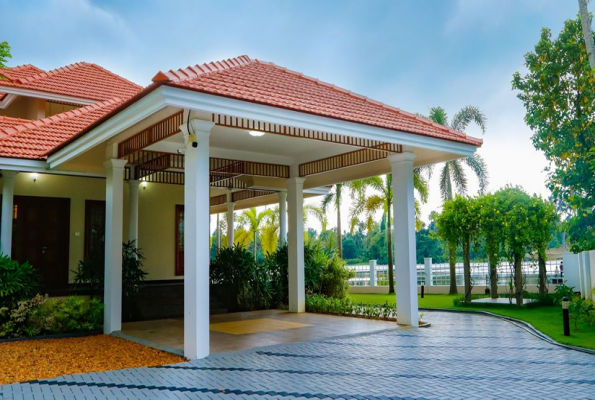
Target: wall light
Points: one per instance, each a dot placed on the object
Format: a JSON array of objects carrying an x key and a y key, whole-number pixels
[
  {"x": 34, "y": 176},
  {"x": 144, "y": 185},
  {"x": 256, "y": 133}
]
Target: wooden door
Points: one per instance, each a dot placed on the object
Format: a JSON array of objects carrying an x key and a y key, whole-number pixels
[{"x": 40, "y": 235}]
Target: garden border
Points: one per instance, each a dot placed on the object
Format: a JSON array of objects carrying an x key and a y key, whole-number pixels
[
  {"x": 519, "y": 323},
  {"x": 94, "y": 332}
]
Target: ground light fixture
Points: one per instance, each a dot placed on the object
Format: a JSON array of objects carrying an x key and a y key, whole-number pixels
[
  {"x": 565, "y": 316},
  {"x": 256, "y": 133}
]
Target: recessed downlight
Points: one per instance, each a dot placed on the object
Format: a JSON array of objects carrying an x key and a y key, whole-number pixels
[{"x": 256, "y": 133}]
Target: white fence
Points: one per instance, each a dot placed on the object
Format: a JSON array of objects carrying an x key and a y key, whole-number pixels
[{"x": 440, "y": 274}]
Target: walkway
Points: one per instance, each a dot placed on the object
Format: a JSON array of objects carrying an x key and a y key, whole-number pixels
[{"x": 460, "y": 356}]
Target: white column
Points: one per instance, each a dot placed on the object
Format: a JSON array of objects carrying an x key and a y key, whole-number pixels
[
  {"x": 114, "y": 198},
  {"x": 230, "y": 227},
  {"x": 373, "y": 272},
  {"x": 282, "y": 218},
  {"x": 404, "y": 227},
  {"x": 428, "y": 271},
  {"x": 196, "y": 240},
  {"x": 133, "y": 185},
  {"x": 295, "y": 205},
  {"x": 8, "y": 180}
]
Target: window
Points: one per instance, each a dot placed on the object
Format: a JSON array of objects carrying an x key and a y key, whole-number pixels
[
  {"x": 94, "y": 229},
  {"x": 179, "y": 239}
]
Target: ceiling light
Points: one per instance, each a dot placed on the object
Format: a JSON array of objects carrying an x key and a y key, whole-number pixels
[{"x": 256, "y": 133}]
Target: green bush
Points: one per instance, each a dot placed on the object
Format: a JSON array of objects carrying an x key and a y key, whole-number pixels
[
  {"x": 562, "y": 291},
  {"x": 325, "y": 273},
  {"x": 276, "y": 266},
  {"x": 38, "y": 316},
  {"x": 317, "y": 303},
  {"x": 18, "y": 281},
  {"x": 238, "y": 280},
  {"x": 91, "y": 272}
]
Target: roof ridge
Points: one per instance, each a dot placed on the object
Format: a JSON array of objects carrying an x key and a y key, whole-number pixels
[
  {"x": 29, "y": 124},
  {"x": 196, "y": 70},
  {"x": 111, "y": 73},
  {"x": 362, "y": 97},
  {"x": 52, "y": 72}
]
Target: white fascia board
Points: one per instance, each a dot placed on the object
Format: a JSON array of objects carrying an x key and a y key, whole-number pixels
[
  {"x": 126, "y": 118},
  {"x": 183, "y": 98},
  {"x": 23, "y": 165},
  {"x": 7, "y": 100},
  {"x": 319, "y": 191},
  {"x": 47, "y": 96}
]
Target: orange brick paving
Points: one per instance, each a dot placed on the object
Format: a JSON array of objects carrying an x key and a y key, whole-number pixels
[{"x": 48, "y": 358}]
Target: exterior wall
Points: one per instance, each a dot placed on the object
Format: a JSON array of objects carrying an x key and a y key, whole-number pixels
[{"x": 156, "y": 216}]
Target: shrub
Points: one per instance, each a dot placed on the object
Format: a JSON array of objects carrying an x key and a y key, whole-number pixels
[
  {"x": 241, "y": 282},
  {"x": 18, "y": 281},
  {"x": 325, "y": 274},
  {"x": 276, "y": 265},
  {"x": 91, "y": 272},
  {"x": 39, "y": 315},
  {"x": 562, "y": 291},
  {"x": 317, "y": 303}
]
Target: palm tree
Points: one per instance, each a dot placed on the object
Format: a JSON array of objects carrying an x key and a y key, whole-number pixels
[
  {"x": 382, "y": 200},
  {"x": 453, "y": 176},
  {"x": 251, "y": 222},
  {"x": 335, "y": 197}
]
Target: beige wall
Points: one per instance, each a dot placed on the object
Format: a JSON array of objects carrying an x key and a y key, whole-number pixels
[
  {"x": 156, "y": 216},
  {"x": 25, "y": 107}
]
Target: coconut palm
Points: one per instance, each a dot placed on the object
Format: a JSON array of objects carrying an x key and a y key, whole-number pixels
[
  {"x": 251, "y": 222},
  {"x": 453, "y": 178},
  {"x": 382, "y": 200},
  {"x": 335, "y": 198}
]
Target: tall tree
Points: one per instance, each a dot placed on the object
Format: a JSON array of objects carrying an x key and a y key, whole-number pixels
[
  {"x": 543, "y": 220},
  {"x": 587, "y": 32},
  {"x": 558, "y": 92},
  {"x": 492, "y": 232},
  {"x": 382, "y": 201},
  {"x": 251, "y": 221},
  {"x": 4, "y": 56},
  {"x": 453, "y": 178},
  {"x": 335, "y": 198}
]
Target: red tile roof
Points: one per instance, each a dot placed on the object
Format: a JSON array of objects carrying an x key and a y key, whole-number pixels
[
  {"x": 8, "y": 122},
  {"x": 265, "y": 83},
  {"x": 33, "y": 139},
  {"x": 83, "y": 80}
]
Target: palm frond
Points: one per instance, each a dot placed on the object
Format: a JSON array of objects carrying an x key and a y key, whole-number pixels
[
  {"x": 243, "y": 237},
  {"x": 479, "y": 167},
  {"x": 438, "y": 115},
  {"x": 458, "y": 176},
  {"x": 316, "y": 212},
  {"x": 466, "y": 115},
  {"x": 446, "y": 183},
  {"x": 327, "y": 200},
  {"x": 421, "y": 185}
]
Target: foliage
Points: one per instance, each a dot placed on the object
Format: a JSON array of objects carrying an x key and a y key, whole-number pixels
[
  {"x": 18, "y": 281},
  {"x": 251, "y": 222},
  {"x": 4, "y": 56},
  {"x": 276, "y": 265},
  {"x": 491, "y": 227},
  {"x": 558, "y": 93},
  {"x": 325, "y": 273},
  {"x": 39, "y": 316},
  {"x": 327, "y": 305},
  {"x": 91, "y": 272}
]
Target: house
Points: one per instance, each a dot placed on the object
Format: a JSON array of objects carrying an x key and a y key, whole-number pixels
[{"x": 90, "y": 159}]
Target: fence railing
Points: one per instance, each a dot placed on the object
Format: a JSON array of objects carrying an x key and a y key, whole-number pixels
[{"x": 440, "y": 273}]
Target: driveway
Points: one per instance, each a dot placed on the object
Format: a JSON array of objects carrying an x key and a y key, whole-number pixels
[{"x": 460, "y": 356}]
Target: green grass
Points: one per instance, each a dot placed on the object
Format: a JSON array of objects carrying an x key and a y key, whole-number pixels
[{"x": 547, "y": 319}]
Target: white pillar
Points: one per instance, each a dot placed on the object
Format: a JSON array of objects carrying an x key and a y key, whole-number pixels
[
  {"x": 373, "y": 272},
  {"x": 295, "y": 205},
  {"x": 282, "y": 218},
  {"x": 196, "y": 240},
  {"x": 230, "y": 227},
  {"x": 404, "y": 228},
  {"x": 428, "y": 271},
  {"x": 133, "y": 185},
  {"x": 8, "y": 180},
  {"x": 114, "y": 198}
]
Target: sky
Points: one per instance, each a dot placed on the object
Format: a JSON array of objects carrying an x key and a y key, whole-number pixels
[{"x": 410, "y": 54}]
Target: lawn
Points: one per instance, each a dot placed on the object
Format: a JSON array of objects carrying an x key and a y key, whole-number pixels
[{"x": 546, "y": 319}]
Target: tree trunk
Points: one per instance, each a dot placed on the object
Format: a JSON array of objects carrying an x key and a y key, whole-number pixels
[
  {"x": 218, "y": 233},
  {"x": 587, "y": 33},
  {"x": 452, "y": 261},
  {"x": 389, "y": 244},
  {"x": 494, "y": 278},
  {"x": 254, "y": 246},
  {"x": 518, "y": 279},
  {"x": 467, "y": 270},
  {"x": 542, "y": 276},
  {"x": 339, "y": 234}
]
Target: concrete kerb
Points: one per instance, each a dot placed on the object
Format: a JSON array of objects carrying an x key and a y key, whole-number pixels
[{"x": 517, "y": 322}]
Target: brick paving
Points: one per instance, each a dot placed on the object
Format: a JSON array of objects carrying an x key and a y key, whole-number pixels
[{"x": 459, "y": 357}]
